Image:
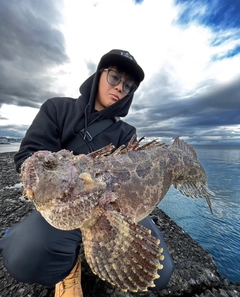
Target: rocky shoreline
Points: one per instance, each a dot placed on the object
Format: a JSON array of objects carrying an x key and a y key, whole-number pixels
[{"x": 195, "y": 273}]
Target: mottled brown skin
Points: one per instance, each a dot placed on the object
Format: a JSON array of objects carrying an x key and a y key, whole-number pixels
[{"x": 105, "y": 194}]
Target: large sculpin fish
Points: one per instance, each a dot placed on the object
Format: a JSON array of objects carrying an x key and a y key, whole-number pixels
[{"x": 106, "y": 193}]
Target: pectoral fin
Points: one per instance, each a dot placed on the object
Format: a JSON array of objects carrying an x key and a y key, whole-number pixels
[{"x": 122, "y": 252}]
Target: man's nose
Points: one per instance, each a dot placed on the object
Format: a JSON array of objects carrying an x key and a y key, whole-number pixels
[{"x": 119, "y": 86}]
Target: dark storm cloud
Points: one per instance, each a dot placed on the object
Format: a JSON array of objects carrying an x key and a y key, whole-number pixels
[
  {"x": 218, "y": 105},
  {"x": 30, "y": 46},
  {"x": 16, "y": 131},
  {"x": 163, "y": 113},
  {"x": 91, "y": 66}
]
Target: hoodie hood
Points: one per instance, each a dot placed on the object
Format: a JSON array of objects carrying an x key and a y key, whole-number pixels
[{"x": 89, "y": 88}]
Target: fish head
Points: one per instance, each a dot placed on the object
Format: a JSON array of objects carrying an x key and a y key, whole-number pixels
[{"x": 56, "y": 178}]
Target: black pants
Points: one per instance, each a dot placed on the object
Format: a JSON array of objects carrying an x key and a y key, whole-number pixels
[{"x": 35, "y": 252}]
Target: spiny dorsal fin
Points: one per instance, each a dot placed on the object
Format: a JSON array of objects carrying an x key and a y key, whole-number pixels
[
  {"x": 103, "y": 152},
  {"x": 184, "y": 146},
  {"x": 133, "y": 145}
]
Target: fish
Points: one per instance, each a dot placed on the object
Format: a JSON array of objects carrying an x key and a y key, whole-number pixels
[{"x": 106, "y": 193}]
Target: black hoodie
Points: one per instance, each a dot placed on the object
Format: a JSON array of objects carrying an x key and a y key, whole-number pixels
[{"x": 60, "y": 119}]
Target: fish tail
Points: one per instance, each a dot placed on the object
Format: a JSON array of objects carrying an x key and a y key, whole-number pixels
[
  {"x": 209, "y": 203},
  {"x": 195, "y": 190}
]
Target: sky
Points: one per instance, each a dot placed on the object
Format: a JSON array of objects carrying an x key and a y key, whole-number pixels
[{"x": 188, "y": 49}]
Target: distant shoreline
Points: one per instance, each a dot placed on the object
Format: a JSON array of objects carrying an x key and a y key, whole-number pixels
[{"x": 9, "y": 147}]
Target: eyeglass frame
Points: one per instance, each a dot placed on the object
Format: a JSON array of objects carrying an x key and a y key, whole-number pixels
[{"x": 133, "y": 87}]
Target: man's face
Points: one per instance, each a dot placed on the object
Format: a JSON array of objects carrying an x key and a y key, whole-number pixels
[{"x": 108, "y": 94}]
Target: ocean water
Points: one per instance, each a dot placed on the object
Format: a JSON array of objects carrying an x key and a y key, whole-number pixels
[
  {"x": 12, "y": 147},
  {"x": 218, "y": 234}
]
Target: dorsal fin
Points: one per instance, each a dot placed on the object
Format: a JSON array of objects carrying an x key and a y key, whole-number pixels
[
  {"x": 132, "y": 146},
  {"x": 103, "y": 152},
  {"x": 184, "y": 146}
]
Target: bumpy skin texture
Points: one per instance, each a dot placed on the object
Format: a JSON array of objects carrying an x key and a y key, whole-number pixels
[{"x": 105, "y": 194}]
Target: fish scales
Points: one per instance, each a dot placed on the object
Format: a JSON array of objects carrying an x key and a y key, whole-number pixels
[{"x": 106, "y": 193}]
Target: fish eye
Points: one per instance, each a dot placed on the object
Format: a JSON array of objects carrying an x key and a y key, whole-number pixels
[{"x": 50, "y": 162}]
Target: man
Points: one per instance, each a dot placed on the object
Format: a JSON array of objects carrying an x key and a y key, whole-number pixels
[{"x": 34, "y": 251}]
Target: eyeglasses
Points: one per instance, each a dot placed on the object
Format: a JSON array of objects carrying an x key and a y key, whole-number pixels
[{"x": 114, "y": 78}]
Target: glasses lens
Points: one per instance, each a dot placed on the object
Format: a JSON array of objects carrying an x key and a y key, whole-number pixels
[
  {"x": 114, "y": 78},
  {"x": 127, "y": 86}
]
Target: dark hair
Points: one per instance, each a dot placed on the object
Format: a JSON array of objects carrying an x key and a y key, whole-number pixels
[{"x": 121, "y": 70}]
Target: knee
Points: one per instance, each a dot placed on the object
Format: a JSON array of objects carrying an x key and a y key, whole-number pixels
[
  {"x": 24, "y": 265},
  {"x": 165, "y": 275},
  {"x": 33, "y": 250}
]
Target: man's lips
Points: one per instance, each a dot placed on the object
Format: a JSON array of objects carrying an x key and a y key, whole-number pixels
[{"x": 115, "y": 97}]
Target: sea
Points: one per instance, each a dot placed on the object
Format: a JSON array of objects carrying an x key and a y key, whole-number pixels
[
  {"x": 9, "y": 147},
  {"x": 217, "y": 233}
]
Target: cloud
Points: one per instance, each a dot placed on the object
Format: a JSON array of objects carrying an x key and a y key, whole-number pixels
[
  {"x": 168, "y": 115},
  {"x": 215, "y": 13},
  {"x": 31, "y": 46},
  {"x": 189, "y": 50},
  {"x": 16, "y": 131}
]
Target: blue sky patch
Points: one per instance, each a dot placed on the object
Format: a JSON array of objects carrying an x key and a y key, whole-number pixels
[
  {"x": 215, "y": 13},
  {"x": 138, "y": 1}
]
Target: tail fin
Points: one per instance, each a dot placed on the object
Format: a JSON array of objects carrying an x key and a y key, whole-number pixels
[
  {"x": 192, "y": 189},
  {"x": 122, "y": 252},
  {"x": 196, "y": 190}
]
